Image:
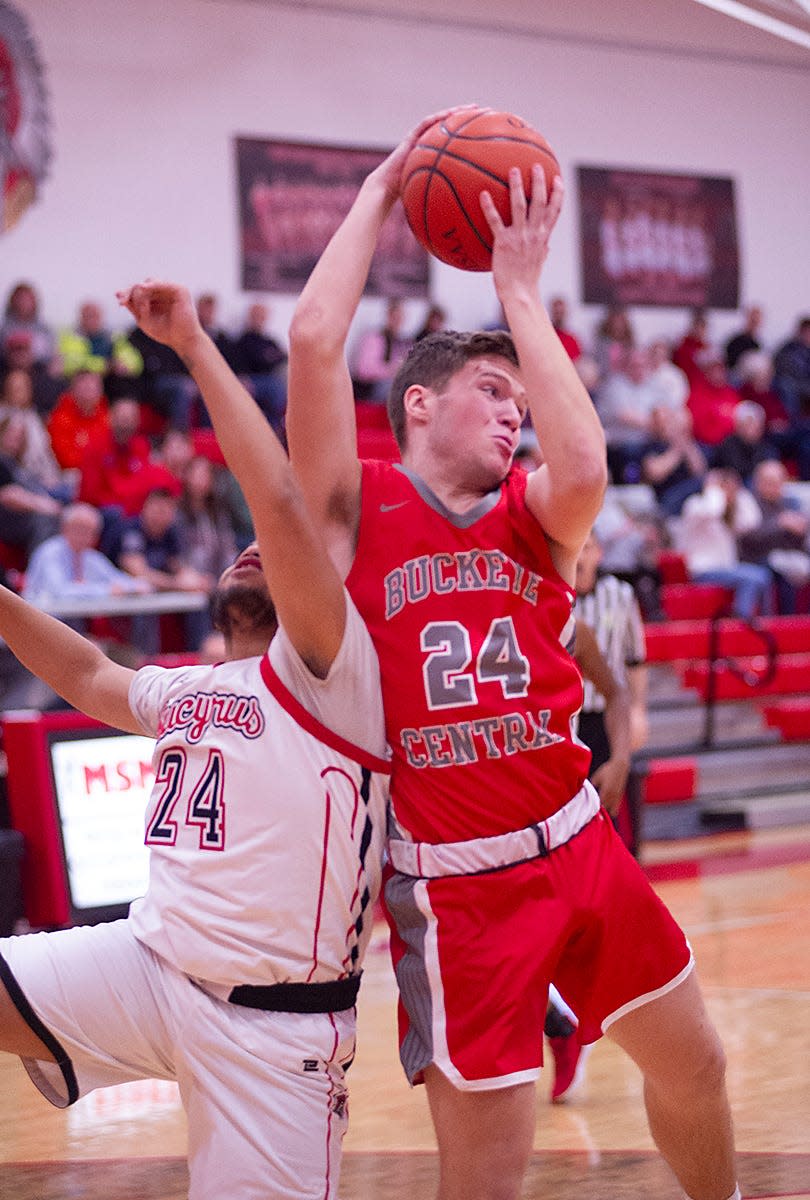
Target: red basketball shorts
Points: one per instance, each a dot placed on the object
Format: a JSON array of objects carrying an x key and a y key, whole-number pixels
[{"x": 474, "y": 956}]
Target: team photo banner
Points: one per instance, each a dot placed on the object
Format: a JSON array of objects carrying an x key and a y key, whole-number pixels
[
  {"x": 293, "y": 196},
  {"x": 652, "y": 238}
]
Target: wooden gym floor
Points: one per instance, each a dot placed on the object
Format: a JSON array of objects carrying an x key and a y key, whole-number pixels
[{"x": 744, "y": 900}]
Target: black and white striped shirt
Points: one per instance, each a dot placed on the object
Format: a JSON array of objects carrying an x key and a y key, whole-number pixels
[{"x": 612, "y": 612}]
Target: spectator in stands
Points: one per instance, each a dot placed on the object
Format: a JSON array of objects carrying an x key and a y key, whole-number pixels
[
  {"x": 625, "y": 403},
  {"x": 237, "y": 508},
  {"x": 118, "y": 470},
  {"x": 673, "y": 464},
  {"x": 88, "y": 346},
  {"x": 262, "y": 363},
  {"x": 149, "y": 549},
  {"x": 707, "y": 534},
  {"x": 712, "y": 400},
  {"x": 22, "y": 317},
  {"x": 792, "y": 370},
  {"x": 614, "y": 338},
  {"x": 17, "y": 395},
  {"x": 164, "y": 383},
  {"x": 175, "y": 451},
  {"x": 91, "y": 346},
  {"x": 632, "y": 538},
  {"x": 68, "y": 565},
  {"x": 755, "y": 375},
  {"x": 692, "y": 344},
  {"x": 558, "y": 311},
  {"x": 671, "y": 383},
  {"x": 46, "y": 378},
  {"x": 80, "y": 417},
  {"x": 790, "y": 436},
  {"x": 608, "y": 606},
  {"x": 378, "y": 355},
  {"x": 28, "y": 514},
  {"x": 207, "y": 309},
  {"x": 745, "y": 340},
  {"x": 207, "y": 535},
  {"x": 779, "y": 541},
  {"x": 747, "y": 444},
  {"x": 435, "y": 320}
]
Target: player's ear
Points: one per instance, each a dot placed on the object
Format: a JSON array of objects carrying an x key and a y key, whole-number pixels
[{"x": 416, "y": 401}]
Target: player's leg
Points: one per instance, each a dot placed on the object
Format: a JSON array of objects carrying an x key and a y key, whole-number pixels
[
  {"x": 266, "y": 1099},
  {"x": 16, "y": 1034},
  {"x": 679, "y": 1053},
  {"x": 92, "y": 1000},
  {"x": 485, "y": 1138}
]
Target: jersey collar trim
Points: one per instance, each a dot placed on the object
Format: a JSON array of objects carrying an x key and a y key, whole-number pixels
[
  {"x": 460, "y": 520},
  {"x": 313, "y": 726}
]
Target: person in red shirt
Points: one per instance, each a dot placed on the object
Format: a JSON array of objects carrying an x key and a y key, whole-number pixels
[
  {"x": 506, "y": 873},
  {"x": 712, "y": 400},
  {"x": 558, "y": 311},
  {"x": 117, "y": 467},
  {"x": 693, "y": 342},
  {"x": 79, "y": 417}
]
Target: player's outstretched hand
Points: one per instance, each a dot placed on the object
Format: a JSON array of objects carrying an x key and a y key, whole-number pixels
[
  {"x": 164, "y": 311},
  {"x": 389, "y": 172},
  {"x": 520, "y": 248}
]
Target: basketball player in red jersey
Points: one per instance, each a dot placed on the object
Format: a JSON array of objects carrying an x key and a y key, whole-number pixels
[{"x": 506, "y": 871}]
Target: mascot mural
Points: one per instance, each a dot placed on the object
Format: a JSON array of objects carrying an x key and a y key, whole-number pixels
[{"x": 25, "y": 151}]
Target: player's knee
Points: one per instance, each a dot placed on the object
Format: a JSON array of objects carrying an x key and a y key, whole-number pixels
[{"x": 700, "y": 1070}]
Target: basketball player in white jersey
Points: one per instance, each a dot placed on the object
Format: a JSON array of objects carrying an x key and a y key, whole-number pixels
[{"x": 236, "y": 974}]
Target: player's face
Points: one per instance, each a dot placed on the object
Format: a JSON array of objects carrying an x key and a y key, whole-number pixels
[
  {"x": 246, "y": 568},
  {"x": 476, "y": 421},
  {"x": 242, "y": 589}
]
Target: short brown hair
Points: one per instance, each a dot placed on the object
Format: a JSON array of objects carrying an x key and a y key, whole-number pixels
[{"x": 435, "y": 358}]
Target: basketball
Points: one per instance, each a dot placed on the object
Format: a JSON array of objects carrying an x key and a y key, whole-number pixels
[{"x": 451, "y": 164}]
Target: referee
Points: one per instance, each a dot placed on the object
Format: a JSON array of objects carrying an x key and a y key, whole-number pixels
[{"x": 609, "y": 606}]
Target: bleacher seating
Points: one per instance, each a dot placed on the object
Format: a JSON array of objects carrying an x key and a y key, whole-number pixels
[
  {"x": 791, "y": 717},
  {"x": 670, "y": 780},
  {"x": 668, "y": 641},
  {"x": 374, "y": 436}
]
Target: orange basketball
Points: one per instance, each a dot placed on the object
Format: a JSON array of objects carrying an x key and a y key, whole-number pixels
[{"x": 452, "y": 163}]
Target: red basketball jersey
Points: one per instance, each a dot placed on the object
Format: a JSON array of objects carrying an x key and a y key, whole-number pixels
[{"x": 471, "y": 621}]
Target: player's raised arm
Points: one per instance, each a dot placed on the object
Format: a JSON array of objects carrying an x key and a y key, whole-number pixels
[
  {"x": 321, "y": 430},
  {"x": 70, "y": 664},
  {"x": 565, "y": 494},
  {"x": 306, "y": 589}
]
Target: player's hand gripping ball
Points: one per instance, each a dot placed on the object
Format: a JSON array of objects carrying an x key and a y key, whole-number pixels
[{"x": 452, "y": 163}]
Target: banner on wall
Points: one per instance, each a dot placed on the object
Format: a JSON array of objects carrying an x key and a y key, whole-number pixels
[
  {"x": 25, "y": 150},
  {"x": 293, "y": 196},
  {"x": 651, "y": 238}
]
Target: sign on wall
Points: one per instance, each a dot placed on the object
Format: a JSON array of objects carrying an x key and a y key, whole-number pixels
[
  {"x": 293, "y": 196},
  {"x": 651, "y": 238},
  {"x": 24, "y": 134}
]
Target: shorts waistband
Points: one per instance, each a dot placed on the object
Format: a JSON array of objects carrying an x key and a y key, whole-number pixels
[
  {"x": 333, "y": 996},
  {"x": 428, "y": 860}
]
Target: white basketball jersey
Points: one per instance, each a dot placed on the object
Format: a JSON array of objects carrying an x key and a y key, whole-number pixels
[{"x": 265, "y": 827}]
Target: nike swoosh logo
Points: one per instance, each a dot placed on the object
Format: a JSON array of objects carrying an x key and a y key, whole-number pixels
[{"x": 391, "y": 507}]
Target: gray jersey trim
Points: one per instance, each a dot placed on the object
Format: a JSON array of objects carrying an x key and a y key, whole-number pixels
[{"x": 460, "y": 520}]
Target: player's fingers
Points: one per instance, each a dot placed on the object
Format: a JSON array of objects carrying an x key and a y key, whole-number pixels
[
  {"x": 555, "y": 202},
  {"x": 441, "y": 115},
  {"x": 491, "y": 214},
  {"x": 517, "y": 195}
]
